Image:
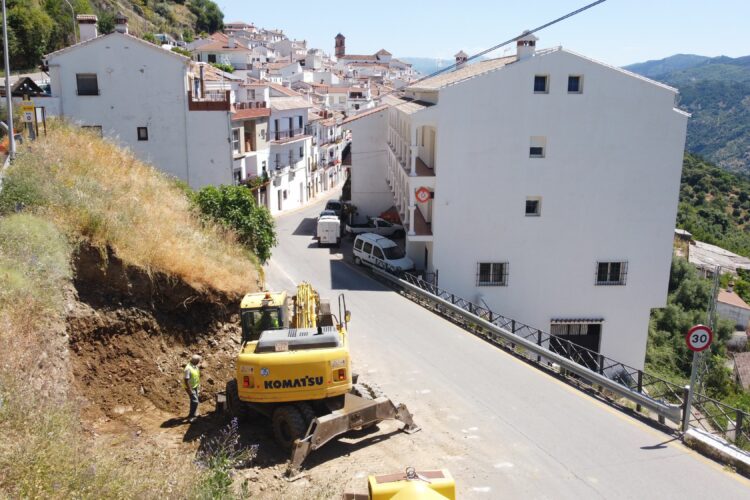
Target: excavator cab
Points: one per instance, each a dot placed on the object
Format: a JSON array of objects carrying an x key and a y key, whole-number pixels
[{"x": 260, "y": 312}]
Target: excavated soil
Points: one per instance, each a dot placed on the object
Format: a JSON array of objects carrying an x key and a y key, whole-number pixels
[{"x": 131, "y": 334}]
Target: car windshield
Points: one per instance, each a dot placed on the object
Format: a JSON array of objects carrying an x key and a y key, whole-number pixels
[
  {"x": 327, "y": 212},
  {"x": 333, "y": 205},
  {"x": 393, "y": 253}
]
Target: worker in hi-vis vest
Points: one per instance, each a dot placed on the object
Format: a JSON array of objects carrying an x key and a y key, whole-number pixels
[{"x": 192, "y": 382}]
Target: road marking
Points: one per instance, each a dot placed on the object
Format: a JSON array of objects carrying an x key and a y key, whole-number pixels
[
  {"x": 425, "y": 391},
  {"x": 481, "y": 489},
  {"x": 503, "y": 465}
]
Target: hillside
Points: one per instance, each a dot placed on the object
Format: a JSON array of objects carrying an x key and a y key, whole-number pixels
[
  {"x": 717, "y": 93},
  {"x": 715, "y": 205},
  {"x": 38, "y": 27},
  {"x": 109, "y": 279}
]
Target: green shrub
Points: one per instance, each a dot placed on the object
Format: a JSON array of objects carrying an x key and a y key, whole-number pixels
[
  {"x": 235, "y": 207},
  {"x": 226, "y": 68}
]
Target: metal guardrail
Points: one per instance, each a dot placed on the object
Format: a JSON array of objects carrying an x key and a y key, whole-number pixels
[{"x": 658, "y": 395}]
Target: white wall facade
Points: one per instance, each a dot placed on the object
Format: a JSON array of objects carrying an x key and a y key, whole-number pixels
[
  {"x": 370, "y": 191},
  {"x": 144, "y": 86},
  {"x": 738, "y": 315},
  {"x": 609, "y": 186}
]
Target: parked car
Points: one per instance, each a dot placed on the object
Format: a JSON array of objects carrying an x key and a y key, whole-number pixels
[
  {"x": 325, "y": 213},
  {"x": 334, "y": 205},
  {"x": 377, "y": 225},
  {"x": 379, "y": 251},
  {"x": 328, "y": 231}
]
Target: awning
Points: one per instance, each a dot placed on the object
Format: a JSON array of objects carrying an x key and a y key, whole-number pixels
[{"x": 576, "y": 321}]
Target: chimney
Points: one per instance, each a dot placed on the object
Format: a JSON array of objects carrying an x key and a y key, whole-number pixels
[
  {"x": 526, "y": 45},
  {"x": 121, "y": 23},
  {"x": 461, "y": 58},
  {"x": 730, "y": 287},
  {"x": 87, "y": 26}
]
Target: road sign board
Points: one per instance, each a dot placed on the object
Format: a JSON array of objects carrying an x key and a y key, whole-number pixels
[
  {"x": 27, "y": 106},
  {"x": 422, "y": 195},
  {"x": 27, "y": 116},
  {"x": 699, "y": 338}
]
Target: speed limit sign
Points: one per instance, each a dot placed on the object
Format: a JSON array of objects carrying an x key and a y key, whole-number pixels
[{"x": 698, "y": 338}]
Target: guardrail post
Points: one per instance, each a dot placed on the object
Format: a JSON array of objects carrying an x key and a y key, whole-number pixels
[
  {"x": 738, "y": 428},
  {"x": 640, "y": 389},
  {"x": 513, "y": 329},
  {"x": 539, "y": 343},
  {"x": 601, "y": 364},
  {"x": 685, "y": 418}
]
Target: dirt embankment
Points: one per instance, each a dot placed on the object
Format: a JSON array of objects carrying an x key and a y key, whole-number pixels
[{"x": 131, "y": 334}]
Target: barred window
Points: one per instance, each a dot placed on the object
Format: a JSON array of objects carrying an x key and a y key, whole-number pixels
[
  {"x": 540, "y": 84},
  {"x": 611, "y": 273},
  {"x": 87, "y": 84},
  {"x": 492, "y": 274}
]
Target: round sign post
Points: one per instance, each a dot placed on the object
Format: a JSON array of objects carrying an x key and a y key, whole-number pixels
[{"x": 698, "y": 339}]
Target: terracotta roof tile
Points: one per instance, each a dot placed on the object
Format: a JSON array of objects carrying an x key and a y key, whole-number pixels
[
  {"x": 742, "y": 368},
  {"x": 732, "y": 299},
  {"x": 246, "y": 114}
]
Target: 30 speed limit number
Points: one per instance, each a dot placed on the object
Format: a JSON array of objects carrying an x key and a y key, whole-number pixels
[{"x": 699, "y": 338}]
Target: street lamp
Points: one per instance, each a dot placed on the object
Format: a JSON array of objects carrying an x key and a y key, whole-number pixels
[
  {"x": 75, "y": 37},
  {"x": 8, "y": 100}
]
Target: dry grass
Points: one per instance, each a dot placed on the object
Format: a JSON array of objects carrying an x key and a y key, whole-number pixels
[
  {"x": 101, "y": 192},
  {"x": 44, "y": 452}
]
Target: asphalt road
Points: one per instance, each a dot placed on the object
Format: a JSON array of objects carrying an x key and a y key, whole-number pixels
[{"x": 518, "y": 432}]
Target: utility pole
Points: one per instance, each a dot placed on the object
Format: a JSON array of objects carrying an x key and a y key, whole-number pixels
[
  {"x": 73, "y": 12},
  {"x": 8, "y": 100}
]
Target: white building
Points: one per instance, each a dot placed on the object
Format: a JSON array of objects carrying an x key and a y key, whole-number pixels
[
  {"x": 550, "y": 186},
  {"x": 148, "y": 99},
  {"x": 291, "y": 149},
  {"x": 730, "y": 306}
]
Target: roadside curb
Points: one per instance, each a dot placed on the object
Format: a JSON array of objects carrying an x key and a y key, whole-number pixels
[{"x": 718, "y": 449}]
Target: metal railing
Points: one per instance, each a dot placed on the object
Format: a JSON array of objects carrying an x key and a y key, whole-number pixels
[
  {"x": 280, "y": 135},
  {"x": 664, "y": 398}
]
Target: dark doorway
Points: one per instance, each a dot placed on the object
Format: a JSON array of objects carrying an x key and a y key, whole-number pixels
[{"x": 587, "y": 335}]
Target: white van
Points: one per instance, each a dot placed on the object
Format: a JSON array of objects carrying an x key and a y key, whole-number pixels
[
  {"x": 381, "y": 252},
  {"x": 328, "y": 231}
]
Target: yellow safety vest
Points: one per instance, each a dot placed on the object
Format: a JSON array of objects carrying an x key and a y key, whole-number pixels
[{"x": 192, "y": 376}]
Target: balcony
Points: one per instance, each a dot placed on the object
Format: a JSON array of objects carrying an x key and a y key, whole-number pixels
[
  {"x": 423, "y": 170},
  {"x": 211, "y": 101},
  {"x": 288, "y": 135},
  {"x": 421, "y": 226}
]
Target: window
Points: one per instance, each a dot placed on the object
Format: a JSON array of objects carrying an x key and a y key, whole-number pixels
[
  {"x": 358, "y": 245},
  {"x": 378, "y": 253},
  {"x": 611, "y": 273},
  {"x": 533, "y": 206},
  {"x": 212, "y": 58},
  {"x": 301, "y": 152},
  {"x": 492, "y": 274},
  {"x": 537, "y": 145},
  {"x": 142, "y": 133},
  {"x": 541, "y": 84},
  {"x": 285, "y": 194},
  {"x": 87, "y": 84},
  {"x": 299, "y": 119},
  {"x": 367, "y": 248},
  {"x": 236, "y": 146},
  {"x": 575, "y": 84}
]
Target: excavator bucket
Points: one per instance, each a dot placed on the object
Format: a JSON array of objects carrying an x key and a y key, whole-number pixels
[{"x": 358, "y": 412}]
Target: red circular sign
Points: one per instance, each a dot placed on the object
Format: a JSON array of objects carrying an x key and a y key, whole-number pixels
[
  {"x": 699, "y": 338},
  {"x": 423, "y": 195}
]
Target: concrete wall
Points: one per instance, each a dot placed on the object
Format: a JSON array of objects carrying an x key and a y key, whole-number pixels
[
  {"x": 609, "y": 185},
  {"x": 370, "y": 191},
  {"x": 739, "y": 316}
]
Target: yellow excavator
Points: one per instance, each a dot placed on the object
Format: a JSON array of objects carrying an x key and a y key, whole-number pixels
[{"x": 294, "y": 367}]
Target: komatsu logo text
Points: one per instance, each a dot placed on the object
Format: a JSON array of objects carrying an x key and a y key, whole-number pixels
[{"x": 292, "y": 383}]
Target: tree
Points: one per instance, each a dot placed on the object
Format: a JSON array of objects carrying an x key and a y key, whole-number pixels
[
  {"x": 32, "y": 30},
  {"x": 235, "y": 207},
  {"x": 209, "y": 16},
  {"x": 106, "y": 22}
]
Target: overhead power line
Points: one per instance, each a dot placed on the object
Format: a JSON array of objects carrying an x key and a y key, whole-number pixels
[{"x": 499, "y": 45}]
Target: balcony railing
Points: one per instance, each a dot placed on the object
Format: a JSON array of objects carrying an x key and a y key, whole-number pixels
[
  {"x": 210, "y": 101},
  {"x": 251, "y": 105},
  {"x": 282, "y": 135}
]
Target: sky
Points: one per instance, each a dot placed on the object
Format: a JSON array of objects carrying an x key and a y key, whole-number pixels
[{"x": 617, "y": 32}]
